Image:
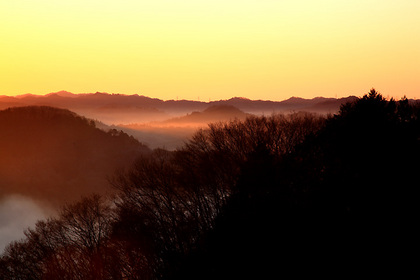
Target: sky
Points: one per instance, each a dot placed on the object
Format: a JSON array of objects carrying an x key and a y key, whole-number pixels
[{"x": 210, "y": 50}]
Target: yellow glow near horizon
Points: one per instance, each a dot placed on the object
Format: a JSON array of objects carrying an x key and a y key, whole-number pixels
[{"x": 266, "y": 49}]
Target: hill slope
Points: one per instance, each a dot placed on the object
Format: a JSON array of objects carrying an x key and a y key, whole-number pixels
[
  {"x": 56, "y": 156},
  {"x": 213, "y": 113}
]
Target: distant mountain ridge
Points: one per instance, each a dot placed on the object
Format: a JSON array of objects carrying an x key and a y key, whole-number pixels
[{"x": 153, "y": 109}]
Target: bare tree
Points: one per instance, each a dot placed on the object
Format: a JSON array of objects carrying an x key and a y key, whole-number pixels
[{"x": 72, "y": 246}]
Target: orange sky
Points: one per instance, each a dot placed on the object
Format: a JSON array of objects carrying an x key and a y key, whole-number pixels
[{"x": 168, "y": 49}]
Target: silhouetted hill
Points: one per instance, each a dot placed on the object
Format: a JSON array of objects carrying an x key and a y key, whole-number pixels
[
  {"x": 329, "y": 105},
  {"x": 213, "y": 113},
  {"x": 292, "y": 104},
  {"x": 55, "y": 155},
  {"x": 62, "y": 93}
]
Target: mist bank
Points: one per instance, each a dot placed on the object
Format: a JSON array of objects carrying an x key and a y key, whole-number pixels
[
  {"x": 174, "y": 132},
  {"x": 17, "y": 213}
]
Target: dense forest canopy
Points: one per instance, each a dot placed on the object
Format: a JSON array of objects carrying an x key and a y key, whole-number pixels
[{"x": 301, "y": 194}]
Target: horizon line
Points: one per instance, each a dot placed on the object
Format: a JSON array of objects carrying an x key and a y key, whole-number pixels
[{"x": 74, "y": 95}]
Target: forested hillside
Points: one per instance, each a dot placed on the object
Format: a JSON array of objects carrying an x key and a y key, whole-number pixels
[
  {"x": 266, "y": 197},
  {"x": 56, "y": 156}
]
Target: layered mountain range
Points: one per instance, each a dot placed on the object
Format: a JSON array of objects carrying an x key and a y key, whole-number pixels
[{"x": 126, "y": 109}]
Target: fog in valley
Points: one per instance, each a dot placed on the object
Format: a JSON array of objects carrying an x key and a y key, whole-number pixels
[{"x": 17, "y": 213}]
